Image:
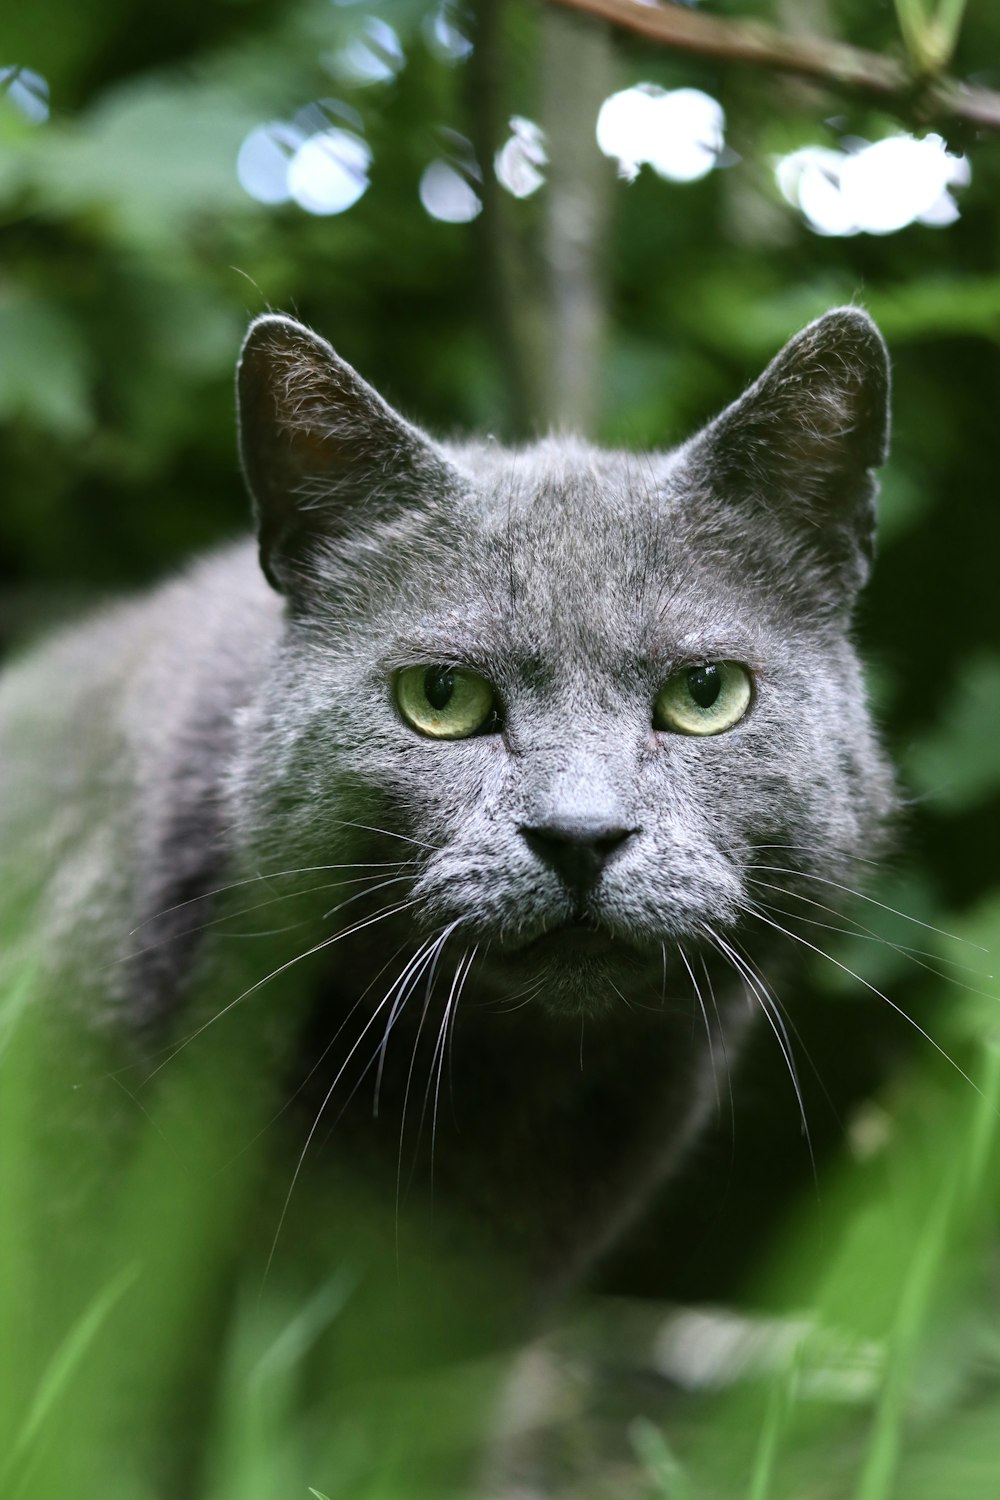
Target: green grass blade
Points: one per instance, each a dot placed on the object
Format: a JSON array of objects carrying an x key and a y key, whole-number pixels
[{"x": 58, "y": 1375}]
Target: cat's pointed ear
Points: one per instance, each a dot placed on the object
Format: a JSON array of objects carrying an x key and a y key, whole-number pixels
[
  {"x": 802, "y": 441},
  {"x": 322, "y": 453}
]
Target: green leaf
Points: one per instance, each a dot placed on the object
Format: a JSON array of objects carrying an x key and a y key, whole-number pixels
[
  {"x": 956, "y": 764},
  {"x": 44, "y": 374},
  {"x": 153, "y": 160}
]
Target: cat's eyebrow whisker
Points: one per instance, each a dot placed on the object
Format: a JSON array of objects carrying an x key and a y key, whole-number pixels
[
  {"x": 708, "y": 1030},
  {"x": 769, "y": 1007},
  {"x": 862, "y": 896},
  {"x": 797, "y": 937},
  {"x": 388, "y": 911}
]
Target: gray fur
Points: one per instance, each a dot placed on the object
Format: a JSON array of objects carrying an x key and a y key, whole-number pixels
[{"x": 220, "y": 729}]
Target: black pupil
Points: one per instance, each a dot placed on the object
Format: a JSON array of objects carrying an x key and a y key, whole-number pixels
[
  {"x": 704, "y": 685},
  {"x": 439, "y": 684}
]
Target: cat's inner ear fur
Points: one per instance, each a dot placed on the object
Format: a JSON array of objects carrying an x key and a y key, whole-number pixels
[
  {"x": 322, "y": 453},
  {"x": 802, "y": 441}
]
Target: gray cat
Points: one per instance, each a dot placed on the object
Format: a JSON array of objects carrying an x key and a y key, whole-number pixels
[{"x": 494, "y": 746}]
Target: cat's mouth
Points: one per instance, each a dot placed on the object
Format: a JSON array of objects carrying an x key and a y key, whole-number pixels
[
  {"x": 580, "y": 967},
  {"x": 576, "y": 937},
  {"x": 579, "y": 938}
]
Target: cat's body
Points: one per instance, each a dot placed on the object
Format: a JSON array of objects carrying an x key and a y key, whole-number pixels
[{"x": 553, "y": 894}]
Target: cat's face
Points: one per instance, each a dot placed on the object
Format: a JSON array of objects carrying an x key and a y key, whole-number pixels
[{"x": 593, "y": 690}]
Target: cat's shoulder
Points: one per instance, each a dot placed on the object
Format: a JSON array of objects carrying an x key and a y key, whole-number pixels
[{"x": 98, "y": 697}]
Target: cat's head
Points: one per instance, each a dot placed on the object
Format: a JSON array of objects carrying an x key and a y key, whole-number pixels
[{"x": 588, "y": 694}]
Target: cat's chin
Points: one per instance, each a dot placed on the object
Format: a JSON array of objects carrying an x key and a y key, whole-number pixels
[{"x": 578, "y": 970}]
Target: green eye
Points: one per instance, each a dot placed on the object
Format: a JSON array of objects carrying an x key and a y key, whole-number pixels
[
  {"x": 446, "y": 703},
  {"x": 704, "y": 700}
]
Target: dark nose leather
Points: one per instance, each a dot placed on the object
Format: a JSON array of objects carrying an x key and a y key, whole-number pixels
[{"x": 577, "y": 851}]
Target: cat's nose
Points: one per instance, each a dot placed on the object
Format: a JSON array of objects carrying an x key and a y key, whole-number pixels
[{"x": 576, "y": 849}]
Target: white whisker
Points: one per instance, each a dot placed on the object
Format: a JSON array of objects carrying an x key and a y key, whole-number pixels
[
  {"x": 806, "y": 849},
  {"x": 319, "y": 1115},
  {"x": 861, "y": 930},
  {"x": 232, "y": 916},
  {"x": 798, "y": 938},
  {"x": 708, "y": 1029},
  {"x": 327, "y": 942},
  {"x": 431, "y": 950},
  {"x": 322, "y": 1056},
  {"x": 451, "y": 1005},
  {"x": 862, "y": 896},
  {"x": 265, "y": 875},
  {"x": 725, "y": 1051},
  {"x": 409, "y": 1083},
  {"x": 389, "y": 833},
  {"x": 770, "y": 1010}
]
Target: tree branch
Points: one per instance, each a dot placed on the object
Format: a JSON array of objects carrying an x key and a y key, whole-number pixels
[
  {"x": 510, "y": 277},
  {"x": 840, "y": 67}
]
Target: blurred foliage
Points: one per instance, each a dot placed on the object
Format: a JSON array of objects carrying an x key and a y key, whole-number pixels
[{"x": 131, "y": 259}]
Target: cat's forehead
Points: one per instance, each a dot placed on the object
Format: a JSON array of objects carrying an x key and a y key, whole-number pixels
[
  {"x": 573, "y": 550},
  {"x": 563, "y": 506},
  {"x": 560, "y": 476},
  {"x": 563, "y": 523}
]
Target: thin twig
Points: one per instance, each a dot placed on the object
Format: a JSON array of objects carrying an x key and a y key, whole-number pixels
[{"x": 840, "y": 67}]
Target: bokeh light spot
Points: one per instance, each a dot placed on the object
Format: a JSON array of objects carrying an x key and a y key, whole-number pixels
[
  {"x": 678, "y": 132},
  {"x": 875, "y": 187},
  {"x": 329, "y": 172},
  {"x": 444, "y": 39},
  {"x": 447, "y": 195},
  {"x": 320, "y": 114},
  {"x": 263, "y": 161},
  {"x": 519, "y": 162},
  {"x": 375, "y": 56},
  {"x": 27, "y": 91}
]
